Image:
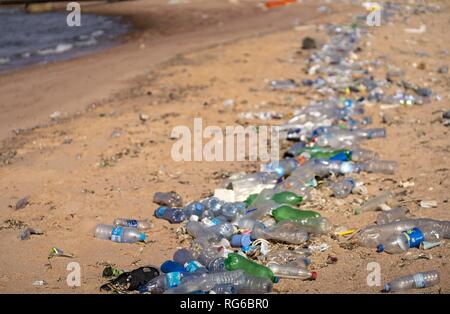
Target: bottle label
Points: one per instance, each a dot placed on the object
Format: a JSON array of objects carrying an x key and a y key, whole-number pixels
[
  {"x": 173, "y": 279},
  {"x": 192, "y": 266},
  {"x": 117, "y": 234},
  {"x": 419, "y": 280},
  {"x": 132, "y": 223},
  {"x": 414, "y": 236}
]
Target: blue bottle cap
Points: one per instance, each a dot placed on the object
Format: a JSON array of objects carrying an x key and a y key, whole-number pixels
[
  {"x": 236, "y": 240},
  {"x": 276, "y": 279},
  {"x": 171, "y": 266},
  {"x": 159, "y": 212},
  {"x": 142, "y": 237},
  {"x": 387, "y": 287},
  {"x": 380, "y": 248}
]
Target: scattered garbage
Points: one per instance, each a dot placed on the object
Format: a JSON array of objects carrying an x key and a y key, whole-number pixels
[
  {"x": 262, "y": 226},
  {"x": 55, "y": 252},
  {"x": 428, "y": 204}
]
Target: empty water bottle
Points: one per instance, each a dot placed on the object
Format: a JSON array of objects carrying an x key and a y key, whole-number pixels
[
  {"x": 285, "y": 231},
  {"x": 169, "y": 199},
  {"x": 288, "y": 271},
  {"x": 118, "y": 233},
  {"x": 412, "y": 238},
  {"x": 391, "y": 215},
  {"x": 194, "y": 208},
  {"x": 416, "y": 281},
  {"x": 140, "y": 224},
  {"x": 172, "y": 215}
]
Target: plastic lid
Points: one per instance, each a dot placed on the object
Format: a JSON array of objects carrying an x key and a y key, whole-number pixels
[
  {"x": 313, "y": 275},
  {"x": 380, "y": 248},
  {"x": 159, "y": 212},
  {"x": 142, "y": 237}
]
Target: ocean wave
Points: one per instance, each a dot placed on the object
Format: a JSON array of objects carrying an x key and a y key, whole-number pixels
[
  {"x": 60, "y": 48},
  {"x": 4, "y": 60}
]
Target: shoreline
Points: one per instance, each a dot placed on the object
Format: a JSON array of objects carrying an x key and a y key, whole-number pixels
[{"x": 74, "y": 84}]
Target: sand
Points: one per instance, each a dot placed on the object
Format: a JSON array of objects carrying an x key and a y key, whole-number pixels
[{"x": 78, "y": 175}]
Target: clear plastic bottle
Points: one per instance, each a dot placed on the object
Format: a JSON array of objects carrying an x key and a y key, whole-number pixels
[
  {"x": 205, "y": 282},
  {"x": 133, "y": 223},
  {"x": 412, "y": 238},
  {"x": 216, "y": 265},
  {"x": 379, "y": 166},
  {"x": 224, "y": 288},
  {"x": 169, "y": 199},
  {"x": 416, "y": 281},
  {"x": 374, "y": 203},
  {"x": 343, "y": 188},
  {"x": 285, "y": 231},
  {"x": 373, "y": 235},
  {"x": 194, "y": 208},
  {"x": 118, "y": 233},
  {"x": 391, "y": 215},
  {"x": 289, "y": 271},
  {"x": 233, "y": 211},
  {"x": 247, "y": 284},
  {"x": 223, "y": 230},
  {"x": 199, "y": 231},
  {"x": 173, "y": 215},
  {"x": 186, "y": 258},
  {"x": 282, "y": 167},
  {"x": 213, "y": 205}
]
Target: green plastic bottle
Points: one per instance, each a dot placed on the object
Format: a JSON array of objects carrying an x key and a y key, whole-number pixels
[
  {"x": 235, "y": 261},
  {"x": 289, "y": 213},
  {"x": 287, "y": 197},
  {"x": 250, "y": 199}
]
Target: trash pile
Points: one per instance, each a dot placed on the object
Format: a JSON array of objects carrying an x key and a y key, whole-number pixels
[{"x": 253, "y": 231}]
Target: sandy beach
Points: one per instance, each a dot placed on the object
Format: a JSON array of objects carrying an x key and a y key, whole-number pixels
[{"x": 99, "y": 160}]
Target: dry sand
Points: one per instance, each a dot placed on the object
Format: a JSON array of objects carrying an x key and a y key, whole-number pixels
[{"x": 78, "y": 175}]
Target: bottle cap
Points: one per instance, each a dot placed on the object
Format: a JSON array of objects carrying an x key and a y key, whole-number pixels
[
  {"x": 313, "y": 275},
  {"x": 380, "y": 248},
  {"x": 241, "y": 240},
  {"x": 387, "y": 287},
  {"x": 159, "y": 212},
  {"x": 276, "y": 279},
  {"x": 193, "y": 218},
  {"x": 142, "y": 237}
]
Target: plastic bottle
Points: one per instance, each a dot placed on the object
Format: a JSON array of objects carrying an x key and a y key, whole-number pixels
[
  {"x": 118, "y": 233},
  {"x": 173, "y": 215},
  {"x": 169, "y": 199},
  {"x": 289, "y": 213},
  {"x": 247, "y": 284},
  {"x": 375, "y": 202},
  {"x": 287, "y": 271},
  {"x": 205, "y": 282},
  {"x": 199, "y": 231},
  {"x": 224, "y": 288},
  {"x": 186, "y": 258},
  {"x": 282, "y": 167},
  {"x": 194, "y": 208},
  {"x": 287, "y": 197},
  {"x": 379, "y": 166},
  {"x": 412, "y": 238},
  {"x": 126, "y": 222},
  {"x": 206, "y": 252},
  {"x": 232, "y": 211},
  {"x": 391, "y": 215},
  {"x": 373, "y": 235},
  {"x": 235, "y": 261},
  {"x": 416, "y": 281},
  {"x": 343, "y": 187},
  {"x": 216, "y": 265},
  {"x": 213, "y": 205},
  {"x": 163, "y": 282},
  {"x": 223, "y": 230},
  {"x": 286, "y": 231}
]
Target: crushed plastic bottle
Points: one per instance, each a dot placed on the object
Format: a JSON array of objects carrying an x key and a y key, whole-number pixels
[
  {"x": 169, "y": 199},
  {"x": 391, "y": 215},
  {"x": 289, "y": 271}
]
